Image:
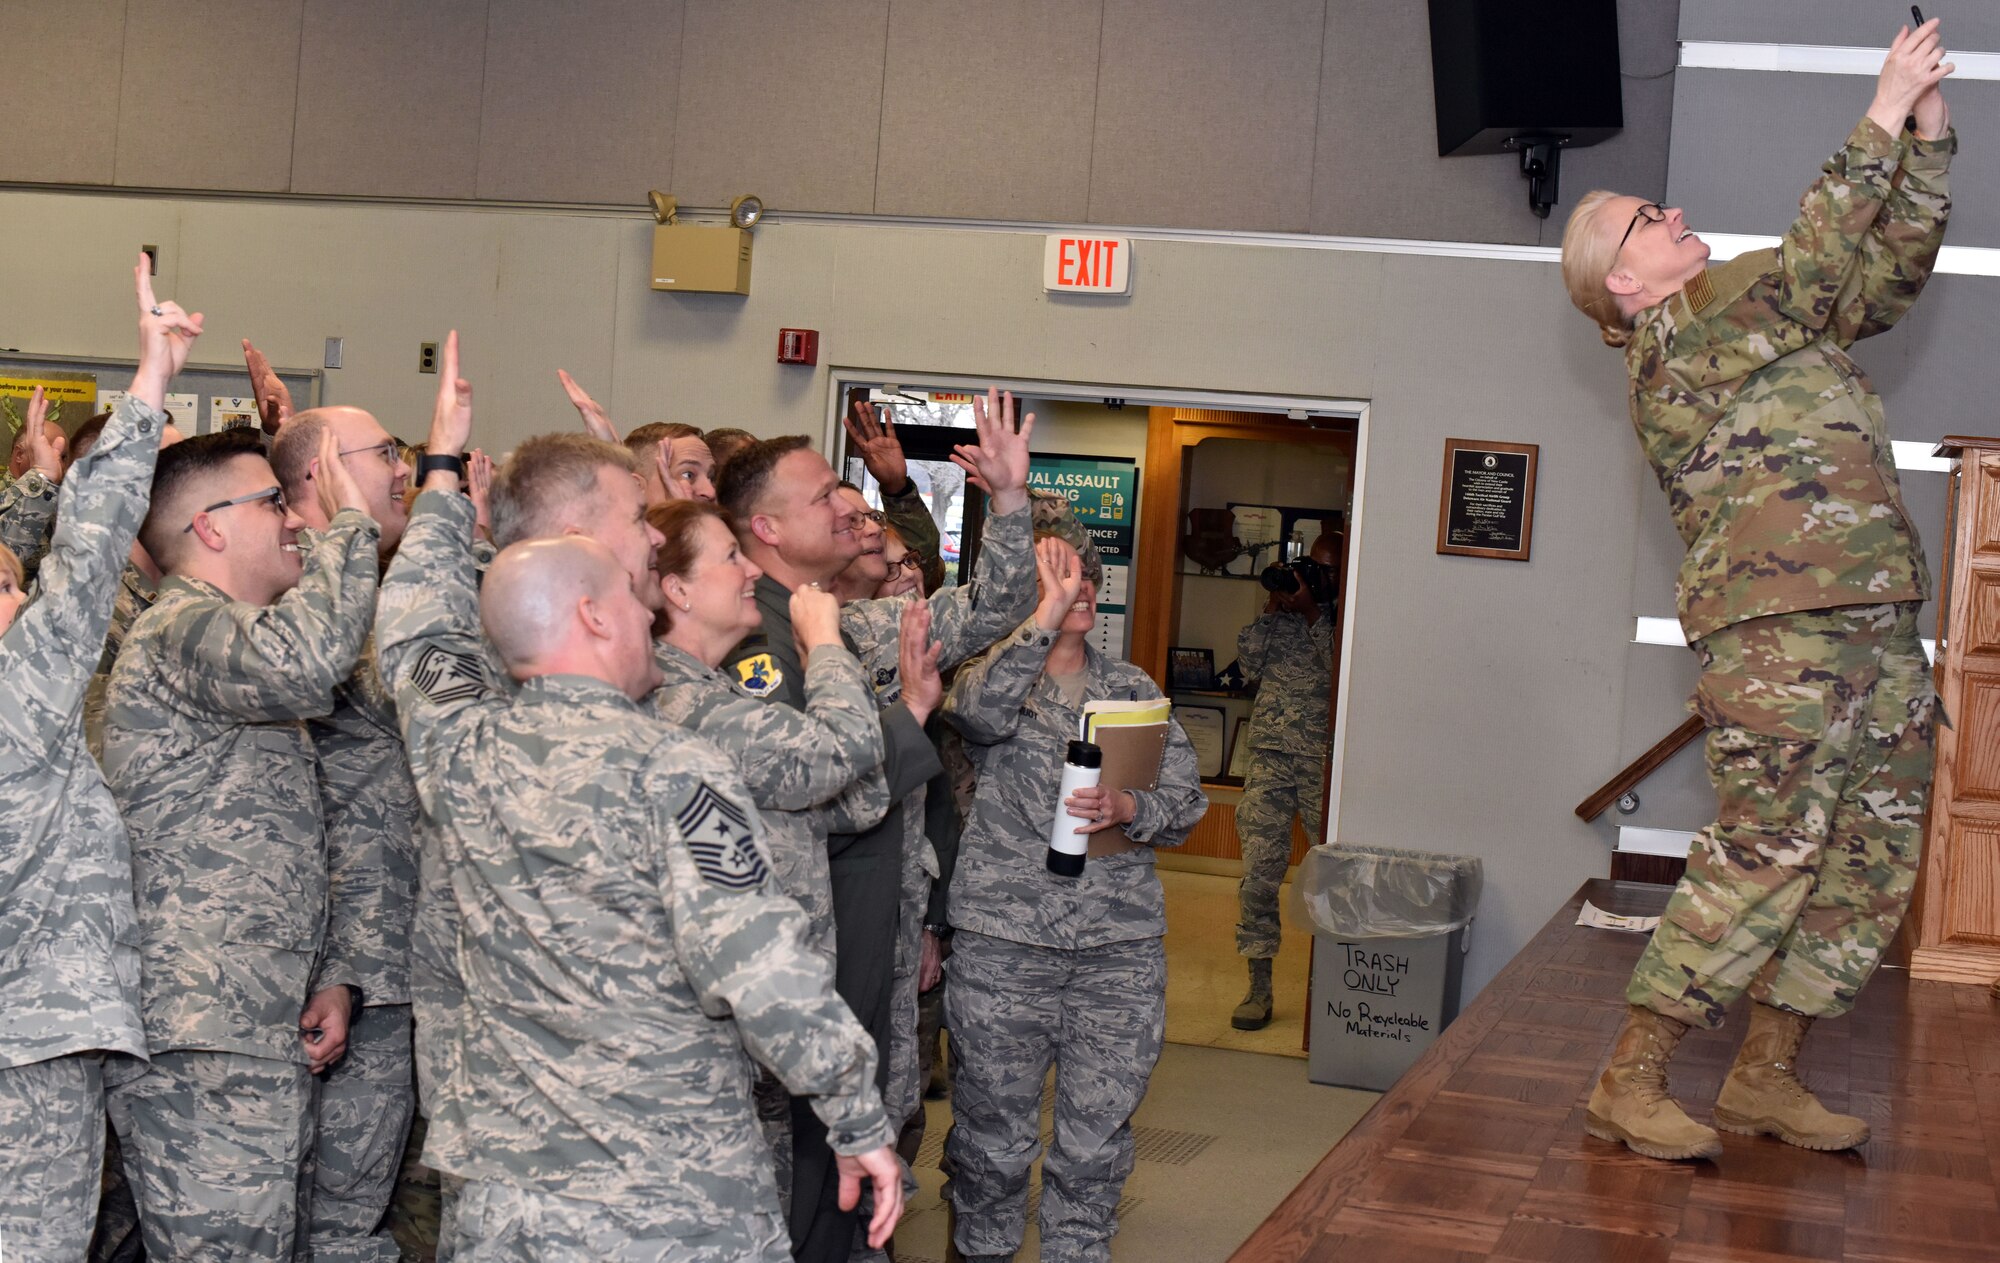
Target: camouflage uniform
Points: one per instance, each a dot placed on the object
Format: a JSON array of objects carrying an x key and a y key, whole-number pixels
[
  {"x": 27, "y": 515},
  {"x": 1047, "y": 968},
  {"x": 1288, "y": 751},
  {"x": 622, "y": 955},
  {"x": 367, "y": 1099},
  {"x": 69, "y": 967},
  {"x": 1799, "y": 592},
  {"x": 207, "y": 753},
  {"x": 793, "y": 762}
]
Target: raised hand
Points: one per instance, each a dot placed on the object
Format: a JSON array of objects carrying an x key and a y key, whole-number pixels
[
  {"x": 1060, "y": 571},
  {"x": 332, "y": 484},
  {"x": 166, "y": 336},
  {"x": 274, "y": 398},
  {"x": 451, "y": 415},
  {"x": 594, "y": 417},
  {"x": 917, "y": 662},
  {"x": 1914, "y": 66},
  {"x": 44, "y": 453},
  {"x": 815, "y": 619},
  {"x": 877, "y": 445},
  {"x": 479, "y": 486},
  {"x": 1001, "y": 455}
]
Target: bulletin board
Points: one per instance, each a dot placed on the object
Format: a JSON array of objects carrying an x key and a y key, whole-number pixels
[{"x": 203, "y": 397}]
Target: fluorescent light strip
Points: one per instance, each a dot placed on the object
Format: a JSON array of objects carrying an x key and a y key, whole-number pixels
[
  {"x": 1667, "y": 631},
  {"x": 1672, "y": 843},
  {"x": 1956, "y": 260},
  {"x": 1818, "y": 59},
  {"x": 1917, "y": 456}
]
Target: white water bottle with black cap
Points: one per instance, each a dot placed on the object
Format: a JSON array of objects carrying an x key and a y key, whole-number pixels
[{"x": 1081, "y": 769}]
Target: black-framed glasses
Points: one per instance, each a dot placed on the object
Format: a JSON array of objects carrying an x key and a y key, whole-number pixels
[
  {"x": 876, "y": 516},
  {"x": 908, "y": 561},
  {"x": 1649, "y": 212},
  {"x": 274, "y": 496}
]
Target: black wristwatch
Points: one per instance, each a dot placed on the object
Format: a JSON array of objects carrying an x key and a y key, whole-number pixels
[
  {"x": 938, "y": 928},
  {"x": 430, "y": 463}
]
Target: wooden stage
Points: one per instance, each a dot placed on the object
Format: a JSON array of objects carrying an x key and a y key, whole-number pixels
[{"x": 1479, "y": 1153}]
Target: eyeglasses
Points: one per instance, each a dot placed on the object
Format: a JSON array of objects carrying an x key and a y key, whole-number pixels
[
  {"x": 273, "y": 496},
  {"x": 876, "y": 516},
  {"x": 908, "y": 561},
  {"x": 1649, "y": 212},
  {"x": 387, "y": 449}
]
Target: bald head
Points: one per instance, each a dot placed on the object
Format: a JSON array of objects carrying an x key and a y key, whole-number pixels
[{"x": 565, "y": 606}]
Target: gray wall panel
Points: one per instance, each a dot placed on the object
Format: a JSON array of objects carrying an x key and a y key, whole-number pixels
[
  {"x": 1736, "y": 178},
  {"x": 579, "y": 104},
  {"x": 1003, "y": 145},
  {"x": 1635, "y": 160},
  {"x": 62, "y": 92},
  {"x": 1205, "y": 114},
  {"x": 205, "y": 94},
  {"x": 1850, "y": 23},
  {"x": 782, "y": 98},
  {"x": 389, "y": 97}
]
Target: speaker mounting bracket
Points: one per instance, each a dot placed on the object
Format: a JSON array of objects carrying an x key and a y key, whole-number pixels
[{"x": 1541, "y": 163}]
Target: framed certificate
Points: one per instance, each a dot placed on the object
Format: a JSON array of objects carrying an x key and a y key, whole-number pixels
[
  {"x": 1205, "y": 731},
  {"x": 1487, "y": 507}
]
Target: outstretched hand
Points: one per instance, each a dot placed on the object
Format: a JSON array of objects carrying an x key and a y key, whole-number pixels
[
  {"x": 332, "y": 483},
  {"x": 44, "y": 453},
  {"x": 917, "y": 662},
  {"x": 884, "y": 1171},
  {"x": 274, "y": 398},
  {"x": 594, "y": 417},
  {"x": 1000, "y": 457},
  {"x": 1060, "y": 571},
  {"x": 166, "y": 336},
  {"x": 479, "y": 486},
  {"x": 451, "y": 415},
  {"x": 877, "y": 445}
]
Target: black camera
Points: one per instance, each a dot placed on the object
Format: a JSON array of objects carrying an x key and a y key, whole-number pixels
[{"x": 1286, "y": 577}]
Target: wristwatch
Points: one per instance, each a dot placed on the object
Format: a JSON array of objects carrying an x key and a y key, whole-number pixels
[{"x": 431, "y": 463}]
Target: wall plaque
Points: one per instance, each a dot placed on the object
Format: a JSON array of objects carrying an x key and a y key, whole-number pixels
[{"x": 1487, "y": 506}]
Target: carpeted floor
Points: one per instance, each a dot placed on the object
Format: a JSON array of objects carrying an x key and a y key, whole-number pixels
[{"x": 1206, "y": 979}]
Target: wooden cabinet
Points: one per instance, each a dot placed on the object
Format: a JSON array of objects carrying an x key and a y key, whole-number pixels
[{"x": 1955, "y": 921}]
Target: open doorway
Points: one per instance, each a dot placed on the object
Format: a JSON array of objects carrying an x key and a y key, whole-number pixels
[{"x": 1269, "y": 474}]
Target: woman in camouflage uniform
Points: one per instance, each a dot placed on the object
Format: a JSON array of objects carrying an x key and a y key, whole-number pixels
[{"x": 1799, "y": 592}]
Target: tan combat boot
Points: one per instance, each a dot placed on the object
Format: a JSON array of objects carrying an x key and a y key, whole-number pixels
[
  {"x": 1630, "y": 1104},
  {"x": 1763, "y": 1095}
]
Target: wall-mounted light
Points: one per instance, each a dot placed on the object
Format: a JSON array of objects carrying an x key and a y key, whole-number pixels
[
  {"x": 666, "y": 207},
  {"x": 746, "y": 210},
  {"x": 702, "y": 258}
]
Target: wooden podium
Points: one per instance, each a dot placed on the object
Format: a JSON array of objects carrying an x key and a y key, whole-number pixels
[{"x": 1955, "y": 919}]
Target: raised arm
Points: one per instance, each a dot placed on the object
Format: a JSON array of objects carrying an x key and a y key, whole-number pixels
[
  {"x": 28, "y": 504},
  {"x": 56, "y": 641}
]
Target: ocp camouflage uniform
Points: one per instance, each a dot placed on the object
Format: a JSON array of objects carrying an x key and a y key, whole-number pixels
[
  {"x": 1288, "y": 752},
  {"x": 622, "y": 953},
  {"x": 207, "y": 754},
  {"x": 1047, "y": 968},
  {"x": 794, "y": 763},
  {"x": 69, "y": 962},
  {"x": 1799, "y": 592},
  {"x": 366, "y": 1100}
]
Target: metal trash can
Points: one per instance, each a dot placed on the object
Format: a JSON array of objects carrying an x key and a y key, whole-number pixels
[{"x": 1389, "y": 939}]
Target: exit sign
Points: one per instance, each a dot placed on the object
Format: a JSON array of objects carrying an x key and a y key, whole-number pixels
[{"x": 1087, "y": 265}]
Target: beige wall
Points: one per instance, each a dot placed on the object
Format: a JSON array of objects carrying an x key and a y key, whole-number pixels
[
  {"x": 1484, "y": 695},
  {"x": 1273, "y": 115}
]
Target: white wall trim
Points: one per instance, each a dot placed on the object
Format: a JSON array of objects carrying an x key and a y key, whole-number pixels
[
  {"x": 1667, "y": 631},
  {"x": 1953, "y": 260},
  {"x": 1920, "y": 457},
  {"x": 1818, "y": 59},
  {"x": 1672, "y": 843}
]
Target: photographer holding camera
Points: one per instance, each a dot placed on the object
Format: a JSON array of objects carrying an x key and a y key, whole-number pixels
[{"x": 1290, "y": 648}]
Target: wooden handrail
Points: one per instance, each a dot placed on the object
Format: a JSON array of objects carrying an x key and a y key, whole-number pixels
[{"x": 1640, "y": 768}]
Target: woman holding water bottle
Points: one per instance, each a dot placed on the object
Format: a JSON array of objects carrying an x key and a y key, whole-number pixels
[{"x": 1048, "y": 967}]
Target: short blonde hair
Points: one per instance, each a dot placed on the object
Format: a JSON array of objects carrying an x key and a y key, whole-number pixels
[
  {"x": 10, "y": 566},
  {"x": 1588, "y": 253}
]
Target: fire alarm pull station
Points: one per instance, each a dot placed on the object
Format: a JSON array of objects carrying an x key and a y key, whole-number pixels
[{"x": 798, "y": 346}]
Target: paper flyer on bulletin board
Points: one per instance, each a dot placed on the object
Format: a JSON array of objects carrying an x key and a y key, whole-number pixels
[
  {"x": 71, "y": 397},
  {"x": 1103, "y": 495}
]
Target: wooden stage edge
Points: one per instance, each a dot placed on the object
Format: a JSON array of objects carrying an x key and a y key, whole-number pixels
[{"x": 1478, "y": 1153}]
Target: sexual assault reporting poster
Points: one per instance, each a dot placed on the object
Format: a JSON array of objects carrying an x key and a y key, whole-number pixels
[{"x": 1103, "y": 494}]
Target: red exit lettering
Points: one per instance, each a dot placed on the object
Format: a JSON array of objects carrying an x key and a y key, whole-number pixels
[{"x": 1085, "y": 261}]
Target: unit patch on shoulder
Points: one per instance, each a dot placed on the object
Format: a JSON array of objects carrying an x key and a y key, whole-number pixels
[
  {"x": 759, "y": 676},
  {"x": 718, "y": 836},
  {"x": 443, "y": 676}
]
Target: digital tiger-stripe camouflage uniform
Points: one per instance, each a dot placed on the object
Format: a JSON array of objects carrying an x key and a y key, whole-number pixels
[
  {"x": 69, "y": 970},
  {"x": 367, "y": 1098},
  {"x": 624, "y": 956},
  {"x": 207, "y": 754},
  {"x": 1799, "y": 593},
  {"x": 1047, "y": 969}
]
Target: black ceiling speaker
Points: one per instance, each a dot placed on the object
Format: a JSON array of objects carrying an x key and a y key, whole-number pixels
[{"x": 1527, "y": 76}]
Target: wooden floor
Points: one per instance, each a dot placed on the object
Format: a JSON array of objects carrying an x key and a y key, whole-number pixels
[{"x": 1479, "y": 1153}]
